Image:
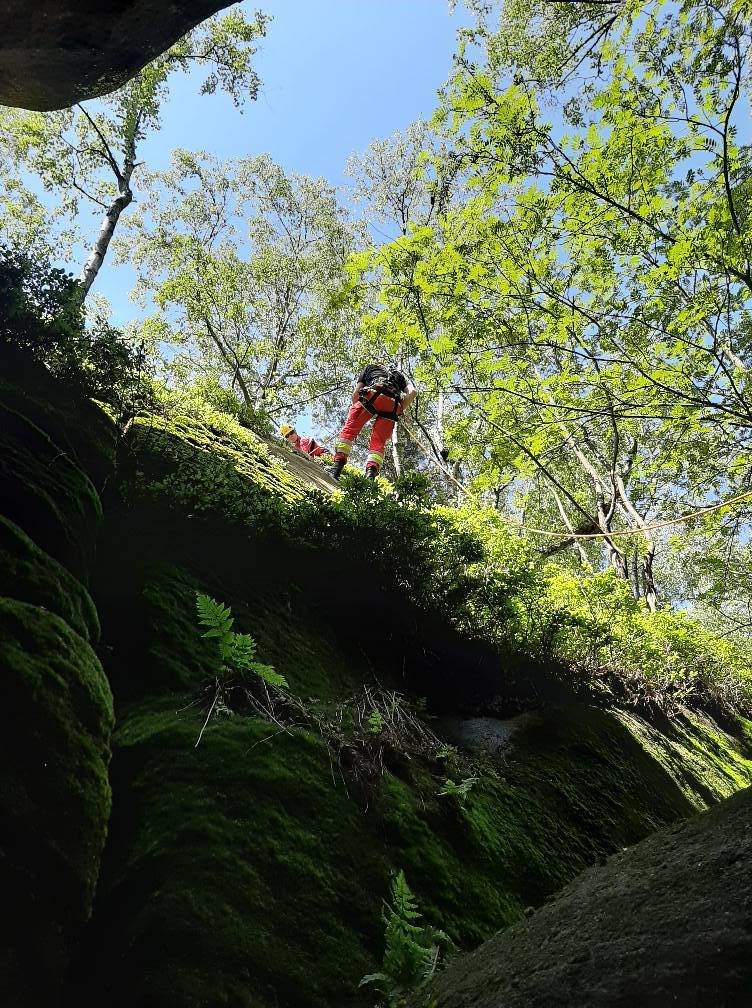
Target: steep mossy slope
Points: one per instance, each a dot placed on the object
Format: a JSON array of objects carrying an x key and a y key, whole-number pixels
[
  {"x": 250, "y": 869},
  {"x": 249, "y": 853},
  {"x": 54, "y": 751},
  {"x": 664, "y": 923}
]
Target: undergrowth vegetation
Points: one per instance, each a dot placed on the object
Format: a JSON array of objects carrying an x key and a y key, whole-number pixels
[
  {"x": 413, "y": 949},
  {"x": 41, "y": 313},
  {"x": 364, "y": 734},
  {"x": 472, "y": 565}
]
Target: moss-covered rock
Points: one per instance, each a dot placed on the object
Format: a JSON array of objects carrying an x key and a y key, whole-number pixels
[
  {"x": 28, "y": 574},
  {"x": 251, "y": 870},
  {"x": 665, "y": 923},
  {"x": 706, "y": 762},
  {"x": 202, "y": 837},
  {"x": 239, "y": 872},
  {"x": 575, "y": 787},
  {"x": 46, "y": 493},
  {"x": 54, "y": 794},
  {"x": 247, "y": 871},
  {"x": 217, "y": 468},
  {"x": 79, "y": 427}
]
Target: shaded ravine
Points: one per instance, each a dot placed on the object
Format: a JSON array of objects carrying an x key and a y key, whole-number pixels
[{"x": 252, "y": 869}]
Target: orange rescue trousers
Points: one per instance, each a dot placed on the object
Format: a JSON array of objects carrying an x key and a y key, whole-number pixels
[{"x": 381, "y": 431}]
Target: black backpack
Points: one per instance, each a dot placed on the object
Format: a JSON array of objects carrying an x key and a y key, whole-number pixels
[{"x": 393, "y": 383}]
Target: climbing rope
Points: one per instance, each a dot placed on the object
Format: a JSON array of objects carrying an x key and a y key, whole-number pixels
[
  {"x": 639, "y": 531},
  {"x": 566, "y": 534}
]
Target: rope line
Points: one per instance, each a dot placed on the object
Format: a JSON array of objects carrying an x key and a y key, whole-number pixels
[
  {"x": 566, "y": 534},
  {"x": 638, "y": 531}
]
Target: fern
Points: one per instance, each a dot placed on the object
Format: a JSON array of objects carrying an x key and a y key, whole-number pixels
[
  {"x": 459, "y": 791},
  {"x": 267, "y": 673},
  {"x": 375, "y": 722},
  {"x": 241, "y": 650},
  {"x": 213, "y": 615},
  {"x": 412, "y": 951},
  {"x": 236, "y": 651}
]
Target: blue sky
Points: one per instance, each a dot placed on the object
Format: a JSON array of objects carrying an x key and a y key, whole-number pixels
[{"x": 336, "y": 75}]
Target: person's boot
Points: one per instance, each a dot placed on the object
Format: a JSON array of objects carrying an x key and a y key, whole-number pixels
[
  {"x": 337, "y": 466},
  {"x": 372, "y": 472}
]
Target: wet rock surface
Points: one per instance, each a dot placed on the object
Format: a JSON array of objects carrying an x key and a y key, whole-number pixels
[
  {"x": 484, "y": 734},
  {"x": 667, "y": 922}
]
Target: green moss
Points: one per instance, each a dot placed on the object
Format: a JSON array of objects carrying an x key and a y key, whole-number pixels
[
  {"x": 250, "y": 871},
  {"x": 78, "y": 426},
  {"x": 243, "y": 872},
  {"x": 46, "y": 493},
  {"x": 220, "y": 469},
  {"x": 30, "y": 575},
  {"x": 706, "y": 763},
  {"x": 743, "y": 729},
  {"x": 148, "y": 607},
  {"x": 291, "y": 637},
  {"x": 575, "y": 788},
  {"x": 249, "y": 878},
  {"x": 54, "y": 791}
]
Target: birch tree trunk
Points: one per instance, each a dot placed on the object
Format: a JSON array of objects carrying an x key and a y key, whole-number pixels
[
  {"x": 97, "y": 255},
  {"x": 99, "y": 251},
  {"x": 649, "y": 589}
]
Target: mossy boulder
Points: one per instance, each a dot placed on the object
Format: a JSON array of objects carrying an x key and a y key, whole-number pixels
[
  {"x": 664, "y": 923},
  {"x": 251, "y": 869},
  {"x": 46, "y": 493},
  {"x": 208, "y": 467},
  {"x": 79, "y": 427},
  {"x": 238, "y": 873},
  {"x": 28, "y": 574},
  {"x": 198, "y": 899},
  {"x": 707, "y": 762},
  {"x": 54, "y": 793},
  {"x": 574, "y": 787}
]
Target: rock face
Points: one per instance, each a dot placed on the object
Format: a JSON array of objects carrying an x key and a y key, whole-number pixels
[
  {"x": 57, "y": 53},
  {"x": 54, "y": 749},
  {"x": 668, "y": 922},
  {"x": 251, "y": 869}
]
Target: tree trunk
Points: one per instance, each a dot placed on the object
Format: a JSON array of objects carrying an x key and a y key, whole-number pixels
[
  {"x": 648, "y": 578},
  {"x": 586, "y": 527},
  {"x": 395, "y": 454},
  {"x": 231, "y": 359},
  {"x": 99, "y": 251},
  {"x": 649, "y": 589}
]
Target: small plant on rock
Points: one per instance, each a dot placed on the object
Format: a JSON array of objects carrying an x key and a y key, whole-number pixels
[
  {"x": 235, "y": 654},
  {"x": 412, "y": 951},
  {"x": 459, "y": 790},
  {"x": 236, "y": 650},
  {"x": 375, "y": 722}
]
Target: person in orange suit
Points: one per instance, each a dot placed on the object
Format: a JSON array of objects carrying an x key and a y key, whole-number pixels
[{"x": 382, "y": 393}]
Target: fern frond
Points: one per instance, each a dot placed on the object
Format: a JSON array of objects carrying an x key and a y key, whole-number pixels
[
  {"x": 213, "y": 615},
  {"x": 404, "y": 903},
  {"x": 240, "y": 649},
  {"x": 267, "y": 673},
  {"x": 373, "y": 978},
  {"x": 431, "y": 962}
]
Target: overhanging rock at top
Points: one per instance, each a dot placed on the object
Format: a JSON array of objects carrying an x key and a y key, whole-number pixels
[{"x": 55, "y": 53}]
